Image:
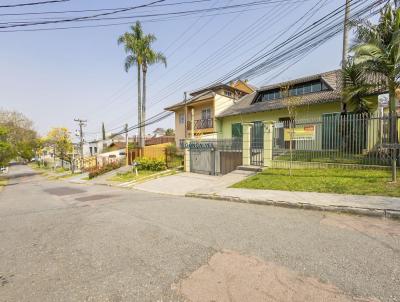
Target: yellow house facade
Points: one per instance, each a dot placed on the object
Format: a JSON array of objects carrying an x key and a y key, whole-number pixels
[{"x": 196, "y": 116}]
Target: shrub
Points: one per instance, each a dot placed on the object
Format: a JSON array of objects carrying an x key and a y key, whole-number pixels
[
  {"x": 151, "y": 164},
  {"x": 104, "y": 169},
  {"x": 171, "y": 149}
]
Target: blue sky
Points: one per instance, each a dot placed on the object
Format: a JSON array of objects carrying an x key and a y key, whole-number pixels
[{"x": 56, "y": 76}]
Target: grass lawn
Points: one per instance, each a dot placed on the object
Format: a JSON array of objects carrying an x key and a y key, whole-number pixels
[
  {"x": 61, "y": 170},
  {"x": 129, "y": 176},
  {"x": 342, "y": 181}
]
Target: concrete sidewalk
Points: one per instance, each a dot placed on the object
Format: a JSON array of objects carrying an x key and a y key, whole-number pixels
[
  {"x": 357, "y": 204},
  {"x": 184, "y": 183}
]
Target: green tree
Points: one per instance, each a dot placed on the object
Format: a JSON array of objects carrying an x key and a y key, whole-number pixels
[
  {"x": 377, "y": 49},
  {"x": 133, "y": 45},
  {"x": 357, "y": 88},
  {"x": 60, "y": 140},
  {"x": 20, "y": 134},
  {"x": 170, "y": 132},
  {"x": 150, "y": 57},
  {"x": 6, "y": 150}
]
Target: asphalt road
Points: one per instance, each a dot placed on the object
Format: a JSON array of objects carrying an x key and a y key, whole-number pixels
[{"x": 69, "y": 242}]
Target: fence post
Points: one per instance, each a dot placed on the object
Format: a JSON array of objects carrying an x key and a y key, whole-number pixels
[
  {"x": 268, "y": 138},
  {"x": 246, "y": 143},
  {"x": 187, "y": 156}
]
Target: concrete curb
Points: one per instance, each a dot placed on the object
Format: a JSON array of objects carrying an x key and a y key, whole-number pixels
[{"x": 376, "y": 212}]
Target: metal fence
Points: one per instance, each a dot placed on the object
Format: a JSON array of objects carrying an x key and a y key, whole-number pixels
[
  {"x": 361, "y": 139},
  {"x": 214, "y": 156}
]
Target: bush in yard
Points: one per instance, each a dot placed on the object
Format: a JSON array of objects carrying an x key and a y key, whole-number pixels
[
  {"x": 104, "y": 169},
  {"x": 151, "y": 164}
]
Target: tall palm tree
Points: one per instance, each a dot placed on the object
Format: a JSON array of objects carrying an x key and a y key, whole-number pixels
[
  {"x": 149, "y": 57},
  {"x": 377, "y": 49},
  {"x": 133, "y": 45}
]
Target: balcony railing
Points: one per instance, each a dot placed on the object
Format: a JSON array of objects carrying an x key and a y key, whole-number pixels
[{"x": 201, "y": 124}]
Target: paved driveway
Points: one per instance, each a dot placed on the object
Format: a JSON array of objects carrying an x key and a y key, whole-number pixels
[
  {"x": 183, "y": 183},
  {"x": 71, "y": 242}
]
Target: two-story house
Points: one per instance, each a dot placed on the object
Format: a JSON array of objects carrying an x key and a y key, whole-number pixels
[{"x": 195, "y": 116}]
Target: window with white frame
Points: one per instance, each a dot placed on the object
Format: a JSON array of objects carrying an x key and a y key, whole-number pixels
[
  {"x": 228, "y": 93},
  {"x": 206, "y": 114},
  {"x": 181, "y": 118}
]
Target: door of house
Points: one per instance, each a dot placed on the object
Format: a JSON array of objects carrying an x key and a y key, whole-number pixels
[
  {"x": 257, "y": 144},
  {"x": 285, "y": 144}
]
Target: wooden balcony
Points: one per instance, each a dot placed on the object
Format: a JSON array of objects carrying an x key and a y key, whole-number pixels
[{"x": 204, "y": 124}]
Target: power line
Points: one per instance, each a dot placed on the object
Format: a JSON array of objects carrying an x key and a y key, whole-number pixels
[
  {"x": 113, "y": 100},
  {"x": 33, "y": 3},
  {"x": 99, "y": 9},
  {"x": 82, "y": 18},
  {"x": 214, "y": 60},
  {"x": 156, "y": 20},
  {"x": 96, "y": 17},
  {"x": 288, "y": 47}
]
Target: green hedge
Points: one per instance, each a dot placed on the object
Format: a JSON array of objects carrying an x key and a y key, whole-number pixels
[
  {"x": 104, "y": 169},
  {"x": 151, "y": 164}
]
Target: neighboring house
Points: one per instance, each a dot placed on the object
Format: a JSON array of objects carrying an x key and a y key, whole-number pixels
[
  {"x": 114, "y": 156},
  {"x": 318, "y": 96},
  {"x": 195, "y": 117},
  {"x": 92, "y": 148},
  {"x": 159, "y": 132}
]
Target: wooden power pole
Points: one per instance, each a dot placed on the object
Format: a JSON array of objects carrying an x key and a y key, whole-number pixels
[
  {"x": 345, "y": 50},
  {"x": 81, "y": 124},
  {"x": 126, "y": 145}
]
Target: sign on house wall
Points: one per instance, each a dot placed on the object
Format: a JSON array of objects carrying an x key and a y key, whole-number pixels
[
  {"x": 300, "y": 133},
  {"x": 197, "y": 145}
]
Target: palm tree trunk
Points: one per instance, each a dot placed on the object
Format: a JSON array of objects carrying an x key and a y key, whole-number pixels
[
  {"x": 143, "y": 129},
  {"x": 139, "y": 106}
]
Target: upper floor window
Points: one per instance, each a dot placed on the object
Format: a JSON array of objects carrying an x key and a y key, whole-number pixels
[
  {"x": 206, "y": 114},
  {"x": 309, "y": 87},
  {"x": 270, "y": 95},
  {"x": 228, "y": 93},
  {"x": 298, "y": 89},
  {"x": 181, "y": 118}
]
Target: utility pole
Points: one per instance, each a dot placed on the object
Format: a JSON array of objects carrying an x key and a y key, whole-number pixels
[
  {"x": 126, "y": 145},
  {"x": 345, "y": 50},
  {"x": 185, "y": 113},
  {"x": 81, "y": 124}
]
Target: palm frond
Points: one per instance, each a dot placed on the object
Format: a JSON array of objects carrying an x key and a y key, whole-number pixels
[{"x": 130, "y": 61}]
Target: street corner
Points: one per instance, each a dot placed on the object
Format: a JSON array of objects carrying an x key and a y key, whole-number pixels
[{"x": 231, "y": 276}]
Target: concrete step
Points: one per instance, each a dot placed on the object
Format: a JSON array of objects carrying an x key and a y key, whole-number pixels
[{"x": 250, "y": 168}]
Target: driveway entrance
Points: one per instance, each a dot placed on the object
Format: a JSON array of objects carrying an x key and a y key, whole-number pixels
[{"x": 202, "y": 161}]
